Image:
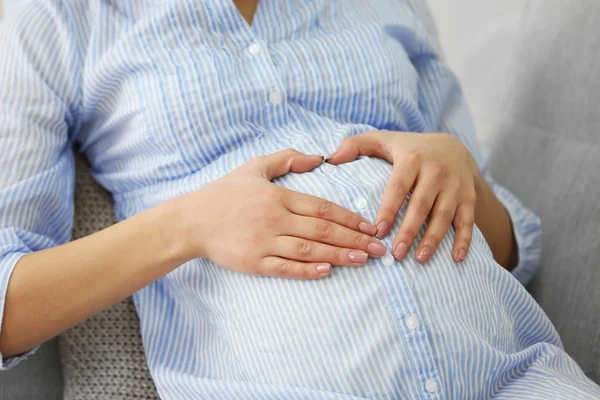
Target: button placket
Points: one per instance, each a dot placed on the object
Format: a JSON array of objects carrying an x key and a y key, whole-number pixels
[
  {"x": 387, "y": 260},
  {"x": 254, "y": 49},
  {"x": 431, "y": 386},
  {"x": 360, "y": 203},
  {"x": 412, "y": 322},
  {"x": 328, "y": 168}
]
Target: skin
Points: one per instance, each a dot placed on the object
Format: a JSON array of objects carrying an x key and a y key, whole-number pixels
[
  {"x": 446, "y": 184},
  {"x": 277, "y": 233},
  {"x": 242, "y": 222}
]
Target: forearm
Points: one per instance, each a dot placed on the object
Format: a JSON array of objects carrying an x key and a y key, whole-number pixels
[
  {"x": 53, "y": 290},
  {"x": 493, "y": 221}
]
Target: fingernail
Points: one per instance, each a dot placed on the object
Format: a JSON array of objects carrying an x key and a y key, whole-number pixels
[
  {"x": 357, "y": 256},
  {"x": 332, "y": 155},
  {"x": 377, "y": 249},
  {"x": 323, "y": 268},
  {"x": 424, "y": 254},
  {"x": 382, "y": 228},
  {"x": 401, "y": 250},
  {"x": 367, "y": 228},
  {"x": 315, "y": 156},
  {"x": 461, "y": 255}
]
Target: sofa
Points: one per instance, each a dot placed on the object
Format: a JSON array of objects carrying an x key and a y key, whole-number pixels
[{"x": 542, "y": 130}]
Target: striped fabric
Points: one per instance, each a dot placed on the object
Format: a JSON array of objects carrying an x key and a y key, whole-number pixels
[{"x": 164, "y": 97}]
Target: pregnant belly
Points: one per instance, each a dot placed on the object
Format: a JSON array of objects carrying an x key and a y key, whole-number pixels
[
  {"x": 343, "y": 334},
  {"x": 361, "y": 331}
]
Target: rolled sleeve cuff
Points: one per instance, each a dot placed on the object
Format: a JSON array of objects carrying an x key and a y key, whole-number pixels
[
  {"x": 10, "y": 254},
  {"x": 528, "y": 234}
]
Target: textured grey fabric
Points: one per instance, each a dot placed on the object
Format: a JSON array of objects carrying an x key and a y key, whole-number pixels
[
  {"x": 103, "y": 358},
  {"x": 549, "y": 156},
  {"x": 39, "y": 377}
]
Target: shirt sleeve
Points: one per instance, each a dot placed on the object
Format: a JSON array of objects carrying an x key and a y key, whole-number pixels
[
  {"x": 444, "y": 109},
  {"x": 38, "y": 98}
]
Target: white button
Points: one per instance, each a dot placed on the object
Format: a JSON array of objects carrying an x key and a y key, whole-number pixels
[
  {"x": 360, "y": 203},
  {"x": 328, "y": 168},
  {"x": 412, "y": 323},
  {"x": 387, "y": 260},
  {"x": 299, "y": 139},
  {"x": 254, "y": 49},
  {"x": 275, "y": 98},
  {"x": 431, "y": 386}
]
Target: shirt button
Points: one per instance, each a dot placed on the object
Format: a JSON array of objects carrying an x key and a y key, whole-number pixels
[
  {"x": 328, "y": 168},
  {"x": 387, "y": 260},
  {"x": 299, "y": 139},
  {"x": 360, "y": 203},
  {"x": 412, "y": 323},
  {"x": 254, "y": 49},
  {"x": 431, "y": 386},
  {"x": 275, "y": 98}
]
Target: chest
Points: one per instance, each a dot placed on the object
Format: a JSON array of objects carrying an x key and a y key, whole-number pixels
[{"x": 193, "y": 80}]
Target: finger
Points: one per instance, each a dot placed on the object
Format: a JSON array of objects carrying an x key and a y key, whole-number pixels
[
  {"x": 464, "y": 220},
  {"x": 441, "y": 219},
  {"x": 298, "y": 249},
  {"x": 323, "y": 231},
  {"x": 284, "y": 268},
  {"x": 419, "y": 206},
  {"x": 400, "y": 182},
  {"x": 282, "y": 162},
  {"x": 371, "y": 143},
  {"x": 312, "y": 206}
]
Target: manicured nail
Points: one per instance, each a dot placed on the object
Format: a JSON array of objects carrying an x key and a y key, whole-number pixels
[
  {"x": 382, "y": 229},
  {"x": 461, "y": 255},
  {"x": 424, "y": 254},
  {"x": 401, "y": 251},
  {"x": 367, "y": 228},
  {"x": 357, "y": 256},
  {"x": 377, "y": 249},
  {"x": 332, "y": 155},
  {"x": 323, "y": 268}
]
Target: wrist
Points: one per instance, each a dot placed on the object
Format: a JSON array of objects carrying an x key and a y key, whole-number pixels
[{"x": 177, "y": 231}]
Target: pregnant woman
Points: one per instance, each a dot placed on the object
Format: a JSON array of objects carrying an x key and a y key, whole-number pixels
[{"x": 261, "y": 272}]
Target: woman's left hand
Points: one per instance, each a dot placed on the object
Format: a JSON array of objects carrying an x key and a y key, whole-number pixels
[{"x": 443, "y": 177}]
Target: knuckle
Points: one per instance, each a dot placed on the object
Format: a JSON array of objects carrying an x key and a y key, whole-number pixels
[
  {"x": 324, "y": 229},
  {"x": 322, "y": 208},
  {"x": 336, "y": 256},
  {"x": 307, "y": 271},
  {"x": 409, "y": 234},
  {"x": 398, "y": 188},
  {"x": 432, "y": 239},
  {"x": 445, "y": 214},
  {"x": 470, "y": 198},
  {"x": 303, "y": 249},
  {"x": 413, "y": 158},
  {"x": 284, "y": 268},
  {"x": 439, "y": 170},
  {"x": 465, "y": 224},
  {"x": 351, "y": 220},
  {"x": 361, "y": 241},
  {"x": 423, "y": 206}
]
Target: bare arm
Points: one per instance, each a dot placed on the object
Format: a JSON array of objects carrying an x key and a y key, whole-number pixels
[
  {"x": 493, "y": 221},
  {"x": 53, "y": 290},
  {"x": 242, "y": 222}
]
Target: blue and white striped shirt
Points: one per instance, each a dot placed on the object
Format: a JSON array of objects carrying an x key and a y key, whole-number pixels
[{"x": 164, "y": 97}]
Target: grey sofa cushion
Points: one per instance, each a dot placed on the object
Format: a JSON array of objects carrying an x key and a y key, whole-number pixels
[
  {"x": 549, "y": 156},
  {"x": 37, "y": 378},
  {"x": 103, "y": 358}
]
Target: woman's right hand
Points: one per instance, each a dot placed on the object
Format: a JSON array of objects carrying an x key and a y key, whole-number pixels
[{"x": 244, "y": 222}]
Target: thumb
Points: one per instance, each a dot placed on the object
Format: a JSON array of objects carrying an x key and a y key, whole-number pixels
[
  {"x": 365, "y": 144},
  {"x": 277, "y": 164}
]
